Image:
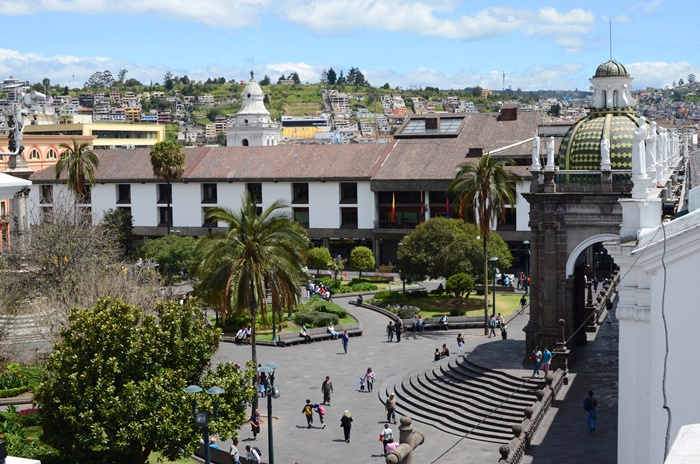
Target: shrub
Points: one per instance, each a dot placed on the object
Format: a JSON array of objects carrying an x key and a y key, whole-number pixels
[
  {"x": 460, "y": 284},
  {"x": 388, "y": 296},
  {"x": 332, "y": 309},
  {"x": 363, "y": 287},
  {"x": 458, "y": 312},
  {"x": 12, "y": 378},
  {"x": 314, "y": 319},
  {"x": 407, "y": 312},
  {"x": 371, "y": 280},
  {"x": 30, "y": 417},
  {"x": 417, "y": 294},
  {"x": 383, "y": 294}
]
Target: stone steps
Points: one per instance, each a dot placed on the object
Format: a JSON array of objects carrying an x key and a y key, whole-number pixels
[
  {"x": 464, "y": 399},
  {"x": 23, "y": 328}
]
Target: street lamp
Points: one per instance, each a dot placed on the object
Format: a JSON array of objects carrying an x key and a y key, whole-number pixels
[
  {"x": 527, "y": 264},
  {"x": 202, "y": 418},
  {"x": 272, "y": 391},
  {"x": 494, "y": 260}
]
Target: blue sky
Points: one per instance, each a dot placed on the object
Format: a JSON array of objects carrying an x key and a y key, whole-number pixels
[{"x": 439, "y": 43}]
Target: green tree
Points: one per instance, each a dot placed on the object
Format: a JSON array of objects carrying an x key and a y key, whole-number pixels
[
  {"x": 114, "y": 389},
  {"x": 122, "y": 225},
  {"x": 318, "y": 256},
  {"x": 172, "y": 253},
  {"x": 266, "y": 80},
  {"x": 460, "y": 284},
  {"x": 168, "y": 81},
  {"x": 258, "y": 251},
  {"x": 80, "y": 163},
  {"x": 331, "y": 76},
  {"x": 362, "y": 258},
  {"x": 168, "y": 162},
  {"x": 484, "y": 188}
]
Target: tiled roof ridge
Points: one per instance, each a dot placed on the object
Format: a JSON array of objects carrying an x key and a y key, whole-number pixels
[
  {"x": 382, "y": 159},
  {"x": 196, "y": 162}
]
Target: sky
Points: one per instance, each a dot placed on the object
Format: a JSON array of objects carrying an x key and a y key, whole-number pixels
[{"x": 449, "y": 44}]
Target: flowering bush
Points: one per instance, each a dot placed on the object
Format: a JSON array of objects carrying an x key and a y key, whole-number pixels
[
  {"x": 29, "y": 417},
  {"x": 11, "y": 378}
]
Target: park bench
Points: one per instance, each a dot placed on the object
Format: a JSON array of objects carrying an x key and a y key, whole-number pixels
[
  {"x": 219, "y": 456},
  {"x": 454, "y": 322},
  {"x": 317, "y": 334}
]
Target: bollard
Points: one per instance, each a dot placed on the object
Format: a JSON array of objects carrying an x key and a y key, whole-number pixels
[{"x": 410, "y": 440}]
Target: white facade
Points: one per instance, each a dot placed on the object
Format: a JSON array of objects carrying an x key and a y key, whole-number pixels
[{"x": 252, "y": 125}]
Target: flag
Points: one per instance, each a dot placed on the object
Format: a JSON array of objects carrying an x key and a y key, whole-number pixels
[
  {"x": 393, "y": 207},
  {"x": 447, "y": 207},
  {"x": 422, "y": 204}
]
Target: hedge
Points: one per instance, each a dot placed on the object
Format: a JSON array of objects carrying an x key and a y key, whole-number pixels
[
  {"x": 10, "y": 392},
  {"x": 315, "y": 319}
]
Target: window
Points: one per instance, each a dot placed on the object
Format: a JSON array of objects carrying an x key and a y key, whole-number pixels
[
  {"x": 125, "y": 209},
  {"x": 165, "y": 193},
  {"x": 301, "y": 215},
  {"x": 123, "y": 194},
  {"x": 245, "y": 142},
  {"x": 46, "y": 194},
  {"x": 51, "y": 154},
  {"x": 348, "y": 192},
  {"x": 348, "y": 218},
  {"x": 208, "y": 193},
  {"x": 87, "y": 196},
  {"x": 34, "y": 154},
  {"x": 300, "y": 193},
  {"x": 255, "y": 191},
  {"x": 165, "y": 216},
  {"x": 207, "y": 222}
]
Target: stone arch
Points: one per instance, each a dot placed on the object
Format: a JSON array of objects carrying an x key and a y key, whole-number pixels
[{"x": 581, "y": 247}]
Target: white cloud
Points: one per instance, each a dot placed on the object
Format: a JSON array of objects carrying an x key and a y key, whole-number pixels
[{"x": 659, "y": 74}]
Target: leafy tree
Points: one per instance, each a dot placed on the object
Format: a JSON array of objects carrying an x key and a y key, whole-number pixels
[
  {"x": 280, "y": 79},
  {"x": 484, "y": 188},
  {"x": 46, "y": 83},
  {"x": 337, "y": 266},
  {"x": 168, "y": 81},
  {"x": 80, "y": 163},
  {"x": 318, "y": 256},
  {"x": 324, "y": 77},
  {"x": 342, "y": 80},
  {"x": 133, "y": 83},
  {"x": 172, "y": 253},
  {"x": 122, "y": 225},
  {"x": 460, "y": 284},
  {"x": 554, "y": 110},
  {"x": 295, "y": 78},
  {"x": 258, "y": 251},
  {"x": 680, "y": 82},
  {"x": 221, "y": 139},
  {"x": 168, "y": 162},
  {"x": 386, "y": 86},
  {"x": 332, "y": 77},
  {"x": 265, "y": 81},
  {"x": 115, "y": 383},
  {"x": 121, "y": 75},
  {"x": 476, "y": 92},
  {"x": 362, "y": 258},
  {"x": 691, "y": 79}
]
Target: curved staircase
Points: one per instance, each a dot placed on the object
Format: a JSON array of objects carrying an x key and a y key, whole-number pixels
[{"x": 465, "y": 399}]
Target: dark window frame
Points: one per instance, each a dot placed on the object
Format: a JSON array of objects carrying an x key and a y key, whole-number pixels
[
  {"x": 209, "y": 193},
  {"x": 300, "y": 193},
  {"x": 347, "y": 196}
]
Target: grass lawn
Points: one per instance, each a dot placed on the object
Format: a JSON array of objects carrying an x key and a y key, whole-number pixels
[{"x": 437, "y": 305}]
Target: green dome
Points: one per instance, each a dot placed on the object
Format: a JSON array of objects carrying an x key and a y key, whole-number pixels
[
  {"x": 580, "y": 148},
  {"x": 611, "y": 68}
]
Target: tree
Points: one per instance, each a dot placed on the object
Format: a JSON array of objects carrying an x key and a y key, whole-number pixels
[
  {"x": 258, "y": 251},
  {"x": 476, "y": 92},
  {"x": 386, "y": 86},
  {"x": 318, "y": 256},
  {"x": 133, "y": 83},
  {"x": 362, "y": 258},
  {"x": 114, "y": 388},
  {"x": 332, "y": 77},
  {"x": 46, "y": 83},
  {"x": 122, "y": 225},
  {"x": 483, "y": 189},
  {"x": 341, "y": 78},
  {"x": 266, "y": 80},
  {"x": 80, "y": 163},
  {"x": 168, "y": 81},
  {"x": 172, "y": 253},
  {"x": 691, "y": 79},
  {"x": 680, "y": 82},
  {"x": 460, "y": 284},
  {"x": 554, "y": 110},
  {"x": 121, "y": 75},
  {"x": 168, "y": 162}
]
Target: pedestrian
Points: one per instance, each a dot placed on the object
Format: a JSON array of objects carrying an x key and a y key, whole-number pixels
[
  {"x": 327, "y": 389},
  {"x": 595, "y": 284},
  {"x": 391, "y": 445},
  {"x": 608, "y": 312},
  {"x": 346, "y": 424},
  {"x": 369, "y": 379},
  {"x": 255, "y": 423},
  {"x": 444, "y": 321},
  {"x": 390, "y": 332},
  {"x": 212, "y": 443},
  {"x": 590, "y": 404},
  {"x": 499, "y": 320},
  {"x": 504, "y": 331},
  {"x": 546, "y": 360},
  {"x": 391, "y": 408},
  {"x": 398, "y": 328},
  {"x": 346, "y": 340},
  {"x": 492, "y": 326},
  {"x": 523, "y": 303},
  {"x": 233, "y": 451},
  {"x": 321, "y": 413},
  {"x": 385, "y": 435},
  {"x": 536, "y": 357},
  {"x": 308, "y": 412},
  {"x": 252, "y": 454},
  {"x": 460, "y": 342}
]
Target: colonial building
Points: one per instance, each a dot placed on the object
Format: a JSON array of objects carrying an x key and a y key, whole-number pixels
[{"x": 252, "y": 125}]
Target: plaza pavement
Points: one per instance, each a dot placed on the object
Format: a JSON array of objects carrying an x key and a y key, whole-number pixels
[{"x": 563, "y": 437}]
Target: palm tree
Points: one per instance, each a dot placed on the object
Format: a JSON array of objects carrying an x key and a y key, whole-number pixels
[
  {"x": 484, "y": 188},
  {"x": 258, "y": 251},
  {"x": 80, "y": 162},
  {"x": 168, "y": 162}
]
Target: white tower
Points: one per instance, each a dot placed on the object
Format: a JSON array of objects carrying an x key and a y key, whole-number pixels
[{"x": 252, "y": 125}]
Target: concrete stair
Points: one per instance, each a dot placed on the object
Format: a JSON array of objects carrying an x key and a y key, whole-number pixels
[{"x": 464, "y": 399}]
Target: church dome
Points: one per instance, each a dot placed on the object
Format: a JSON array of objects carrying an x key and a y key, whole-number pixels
[{"x": 611, "y": 68}]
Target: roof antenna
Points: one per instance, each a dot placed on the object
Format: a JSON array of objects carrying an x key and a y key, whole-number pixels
[{"x": 610, "y": 21}]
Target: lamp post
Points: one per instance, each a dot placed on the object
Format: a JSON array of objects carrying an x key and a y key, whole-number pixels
[
  {"x": 494, "y": 260},
  {"x": 527, "y": 265},
  {"x": 272, "y": 391},
  {"x": 202, "y": 418}
]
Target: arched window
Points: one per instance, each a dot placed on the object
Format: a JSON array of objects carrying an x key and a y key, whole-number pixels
[
  {"x": 51, "y": 154},
  {"x": 245, "y": 142},
  {"x": 34, "y": 154}
]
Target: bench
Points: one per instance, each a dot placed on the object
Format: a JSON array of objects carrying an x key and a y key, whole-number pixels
[
  {"x": 219, "y": 456},
  {"x": 454, "y": 322},
  {"x": 318, "y": 334}
]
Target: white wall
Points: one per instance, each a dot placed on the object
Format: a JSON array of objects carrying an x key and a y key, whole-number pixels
[
  {"x": 324, "y": 201},
  {"x": 366, "y": 206}
]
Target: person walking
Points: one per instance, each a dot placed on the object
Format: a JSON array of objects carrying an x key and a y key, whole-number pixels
[
  {"x": 346, "y": 341},
  {"x": 233, "y": 451},
  {"x": 346, "y": 424},
  {"x": 321, "y": 413},
  {"x": 252, "y": 454},
  {"x": 536, "y": 357},
  {"x": 308, "y": 412},
  {"x": 369, "y": 379},
  {"x": 385, "y": 435},
  {"x": 492, "y": 326},
  {"x": 546, "y": 360},
  {"x": 460, "y": 342},
  {"x": 398, "y": 328},
  {"x": 255, "y": 423},
  {"x": 523, "y": 303},
  {"x": 590, "y": 404},
  {"x": 391, "y": 408},
  {"x": 327, "y": 389},
  {"x": 504, "y": 331},
  {"x": 390, "y": 332}
]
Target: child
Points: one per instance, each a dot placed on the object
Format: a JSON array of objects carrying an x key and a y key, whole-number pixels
[
  {"x": 362, "y": 384},
  {"x": 321, "y": 413}
]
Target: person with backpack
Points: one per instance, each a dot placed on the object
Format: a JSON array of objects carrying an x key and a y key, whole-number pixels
[
  {"x": 321, "y": 414},
  {"x": 590, "y": 404},
  {"x": 390, "y": 332},
  {"x": 308, "y": 413},
  {"x": 460, "y": 342},
  {"x": 253, "y": 454},
  {"x": 492, "y": 326},
  {"x": 504, "y": 331}
]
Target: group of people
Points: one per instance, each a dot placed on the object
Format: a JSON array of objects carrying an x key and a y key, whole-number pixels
[
  {"x": 497, "y": 322},
  {"x": 541, "y": 359},
  {"x": 523, "y": 281},
  {"x": 243, "y": 335},
  {"x": 444, "y": 353},
  {"x": 253, "y": 454},
  {"x": 320, "y": 289},
  {"x": 395, "y": 327}
]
